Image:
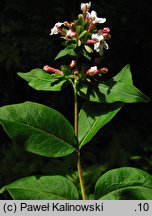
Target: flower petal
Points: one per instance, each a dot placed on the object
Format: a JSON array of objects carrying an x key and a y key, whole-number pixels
[
  {"x": 55, "y": 30},
  {"x": 85, "y": 6},
  {"x": 100, "y": 20},
  {"x": 106, "y": 46},
  {"x": 97, "y": 37}
]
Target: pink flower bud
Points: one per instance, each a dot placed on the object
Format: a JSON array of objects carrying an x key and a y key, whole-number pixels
[
  {"x": 105, "y": 30},
  {"x": 90, "y": 27},
  {"x": 67, "y": 24},
  {"x": 91, "y": 42},
  {"x": 103, "y": 70},
  {"x": 76, "y": 73},
  {"x": 92, "y": 70},
  {"x": 47, "y": 68},
  {"x": 73, "y": 64},
  {"x": 105, "y": 33}
]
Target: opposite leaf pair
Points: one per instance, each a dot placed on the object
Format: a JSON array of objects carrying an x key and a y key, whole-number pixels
[{"x": 117, "y": 184}]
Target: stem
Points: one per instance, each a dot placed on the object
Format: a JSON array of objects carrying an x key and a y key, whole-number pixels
[
  {"x": 80, "y": 176},
  {"x": 75, "y": 112},
  {"x": 78, "y": 150}
]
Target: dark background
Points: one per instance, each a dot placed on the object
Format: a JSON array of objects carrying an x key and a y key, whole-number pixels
[{"x": 25, "y": 44}]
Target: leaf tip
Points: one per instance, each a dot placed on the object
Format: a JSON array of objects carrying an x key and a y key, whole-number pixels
[
  {"x": 146, "y": 99},
  {"x": 3, "y": 189},
  {"x": 19, "y": 74}
]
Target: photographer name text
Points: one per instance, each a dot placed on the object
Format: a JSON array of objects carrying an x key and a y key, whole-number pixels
[{"x": 57, "y": 207}]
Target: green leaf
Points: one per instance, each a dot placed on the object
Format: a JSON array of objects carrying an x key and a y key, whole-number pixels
[
  {"x": 66, "y": 70},
  {"x": 92, "y": 117},
  {"x": 111, "y": 91},
  {"x": 80, "y": 22},
  {"x": 79, "y": 43},
  {"x": 88, "y": 49},
  {"x": 124, "y": 76},
  {"x": 117, "y": 88},
  {"x": 42, "y": 188},
  {"x": 120, "y": 91},
  {"x": 79, "y": 29},
  {"x": 69, "y": 50},
  {"x": 82, "y": 34},
  {"x": 40, "y": 80},
  {"x": 125, "y": 183},
  {"x": 86, "y": 54},
  {"x": 41, "y": 129}
]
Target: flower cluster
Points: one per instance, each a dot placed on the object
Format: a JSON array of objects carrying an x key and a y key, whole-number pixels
[{"x": 82, "y": 37}]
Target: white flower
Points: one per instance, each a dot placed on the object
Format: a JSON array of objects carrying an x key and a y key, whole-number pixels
[
  {"x": 100, "y": 43},
  {"x": 85, "y": 6},
  {"x": 97, "y": 37},
  {"x": 94, "y": 19},
  {"x": 71, "y": 33},
  {"x": 55, "y": 29}
]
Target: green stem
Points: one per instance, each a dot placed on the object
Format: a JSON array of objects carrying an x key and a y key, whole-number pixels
[
  {"x": 80, "y": 176},
  {"x": 78, "y": 150},
  {"x": 75, "y": 111}
]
